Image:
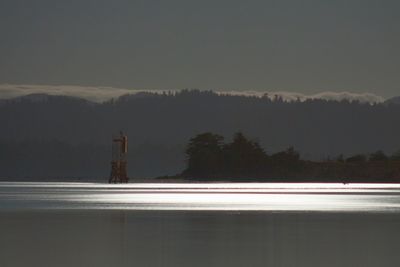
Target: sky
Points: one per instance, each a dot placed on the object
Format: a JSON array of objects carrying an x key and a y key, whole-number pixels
[{"x": 308, "y": 47}]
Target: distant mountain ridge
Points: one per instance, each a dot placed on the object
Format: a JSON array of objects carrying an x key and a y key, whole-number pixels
[
  {"x": 47, "y": 136},
  {"x": 100, "y": 94},
  {"x": 40, "y": 97}
]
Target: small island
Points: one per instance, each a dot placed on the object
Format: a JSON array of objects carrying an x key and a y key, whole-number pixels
[{"x": 210, "y": 158}]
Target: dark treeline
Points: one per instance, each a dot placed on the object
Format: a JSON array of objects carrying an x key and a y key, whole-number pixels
[
  {"x": 210, "y": 158},
  {"x": 57, "y": 136}
]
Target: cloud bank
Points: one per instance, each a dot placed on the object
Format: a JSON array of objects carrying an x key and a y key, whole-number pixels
[{"x": 100, "y": 94}]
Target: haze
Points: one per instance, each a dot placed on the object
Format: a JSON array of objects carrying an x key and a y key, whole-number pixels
[{"x": 300, "y": 46}]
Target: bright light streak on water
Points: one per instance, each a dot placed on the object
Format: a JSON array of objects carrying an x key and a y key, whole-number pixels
[
  {"x": 208, "y": 197},
  {"x": 197, "y": 225}
]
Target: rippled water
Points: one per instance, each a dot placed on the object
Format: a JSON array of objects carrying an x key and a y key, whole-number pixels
[
  {"x": 234, "y": 197},
  {"x": 83, "y": 224}
]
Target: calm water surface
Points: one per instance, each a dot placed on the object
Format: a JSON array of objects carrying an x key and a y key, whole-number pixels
[{"x": 83, "y": 224}]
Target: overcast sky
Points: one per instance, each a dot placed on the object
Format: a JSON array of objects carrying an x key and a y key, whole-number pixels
[{"x": 300, "y": 46}]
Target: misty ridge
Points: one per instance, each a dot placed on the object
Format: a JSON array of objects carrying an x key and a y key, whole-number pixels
[
  {"x": 65, "y": 137},
  {"x": 100, "y": 94}
]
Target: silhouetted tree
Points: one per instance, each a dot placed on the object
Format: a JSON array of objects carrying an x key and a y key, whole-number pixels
[
  {"x": 289, "y": 156},
  {"x": 204, "y": 154},
  {"x": 340, "y": 158},
  {"x": 359, "y": 158},
  {"x": 378, "y": 156},
  {"x": 243, "y": 155},
  {"x": 395, "y": 156}
]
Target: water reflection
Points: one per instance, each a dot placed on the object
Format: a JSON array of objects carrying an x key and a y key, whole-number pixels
[
  {"x": 72, "y": 224},
  {"x": 234, "y": 197}
]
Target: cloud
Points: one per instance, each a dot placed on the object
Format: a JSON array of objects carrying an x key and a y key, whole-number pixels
[
  {"x": 92, "y": 93},
  {"x": 100, "y": 94}
]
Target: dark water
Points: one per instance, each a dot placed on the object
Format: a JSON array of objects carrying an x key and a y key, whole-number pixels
[{"x": 60, "y": 224}]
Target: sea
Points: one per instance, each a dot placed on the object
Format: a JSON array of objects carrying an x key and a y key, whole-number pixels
[{"x": 199, "y": 224}]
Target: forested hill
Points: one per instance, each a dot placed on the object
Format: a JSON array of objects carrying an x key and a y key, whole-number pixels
[{"x": 54, "y": 136}]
